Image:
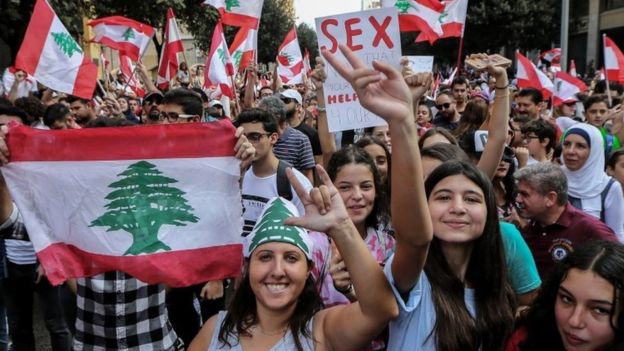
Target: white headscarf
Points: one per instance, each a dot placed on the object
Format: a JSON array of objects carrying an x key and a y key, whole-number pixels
[{"x": 590, "y": 179}]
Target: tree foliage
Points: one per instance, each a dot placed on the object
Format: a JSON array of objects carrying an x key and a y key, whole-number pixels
[
  {"x": 308, "y": 40},
  {"x": 278, "y": 17}
]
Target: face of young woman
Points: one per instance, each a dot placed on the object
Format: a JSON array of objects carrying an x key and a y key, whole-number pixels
[
  {"x": 356, "y": 186},
  {"x": 503, "y": 168},
  {"x": 422, "y": 116},
  {"x": 378, "y": 154},
  {"x": 277, "y": 275},
  {"x": 383, "y": 133},
  {"x": 582, "y": 311},
  {"x": 458, "y": 210},
  {"x": 575, "y": 152}
]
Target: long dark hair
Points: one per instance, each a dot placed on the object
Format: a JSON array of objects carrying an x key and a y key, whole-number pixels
[
  {"x": 601, "y": 257},
  {"x": 455, "y": 328},
  {"x": 356, "y": 155},
  {"x": 242, "y": 311},
  {"x": 368, "y": 140}
]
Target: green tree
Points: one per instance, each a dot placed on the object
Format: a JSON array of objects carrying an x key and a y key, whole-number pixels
[
  {"x": 66, "y": 43},
  {"x": 278, "y": 17},
  {"x": 308, "y": 40},
  {"x": 143, "y": 202}
]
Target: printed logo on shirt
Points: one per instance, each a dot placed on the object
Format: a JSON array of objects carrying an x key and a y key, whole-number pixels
[{"x": 560, "y": 249}]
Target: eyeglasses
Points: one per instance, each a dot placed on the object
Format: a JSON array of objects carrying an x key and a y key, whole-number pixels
[
  {"x": 287, "y": 100},
  {"x": 255, "y": 137},
  {"x": 528, "y": 138},
  {"x": 443, "y": 106},
  {"x": 173, "y": 116}
]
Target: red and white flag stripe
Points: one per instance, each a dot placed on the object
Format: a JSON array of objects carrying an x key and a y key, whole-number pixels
[
  {"x": 128, "y": 36},
  {"x": 454, "y": 18},
  {"x": 50, "y": 54},
  {"x": 127, "y": 67},
  {"x": 243, "y": 48},
  {"x": 245, "y": 13},
  {"x": 168, "y": 65},
  {"x": 614, "y": 61},
  {"x": 419, "y": 16},
  {"x": 289, "y": 59},
  {"x": 179, "y": 158},
  {"x": 530, "y": 77},
  {"x": 219, "y": 67},
  {"x": 567, "y": 87}
]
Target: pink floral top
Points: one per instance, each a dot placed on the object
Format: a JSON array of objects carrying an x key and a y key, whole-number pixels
[{"x": 380, "y": 244}]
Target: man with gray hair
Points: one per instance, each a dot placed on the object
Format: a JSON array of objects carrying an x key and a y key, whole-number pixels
[{"x": 555, "y": 227}]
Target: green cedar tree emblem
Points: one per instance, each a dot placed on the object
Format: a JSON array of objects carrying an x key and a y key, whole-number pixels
[
  {"x": 442, "y": 16},
  {"x": 143, "y": 202},
  {"x": 404, "y": 5},
  {"x": 272, "y": 224},
  {"x": 128, "y": 34},
  {"x": 222, "y": 55},
  {"x": 66, "y": 43},
  {"x": 237, "y": 57},
  {"x": 231, "y": 3}
]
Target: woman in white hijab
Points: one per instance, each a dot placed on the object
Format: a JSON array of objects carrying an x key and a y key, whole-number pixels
[{"x": 589, "y": 187}]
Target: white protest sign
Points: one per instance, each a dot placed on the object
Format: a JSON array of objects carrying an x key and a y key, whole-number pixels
[
  {"x": 420, "y": 63},
  {"x": 371, "y": 35}
]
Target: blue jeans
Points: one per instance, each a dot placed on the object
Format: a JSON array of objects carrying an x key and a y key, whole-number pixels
[
  {"x": 18, "y": 289},
  {"x": 4, "y": 328}
]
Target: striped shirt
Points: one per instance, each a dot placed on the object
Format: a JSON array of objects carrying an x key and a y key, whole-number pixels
[{"x": 294, "y": 147}]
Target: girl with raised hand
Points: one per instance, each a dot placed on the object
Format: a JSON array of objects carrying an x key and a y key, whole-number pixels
[
  {"x": 581, "y": 305},
  {"x": 276, "y": 307},
  {"x": 462, "y": 300}
]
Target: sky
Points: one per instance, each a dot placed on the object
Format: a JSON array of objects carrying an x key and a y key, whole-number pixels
[{"x": 308, "y": 10}]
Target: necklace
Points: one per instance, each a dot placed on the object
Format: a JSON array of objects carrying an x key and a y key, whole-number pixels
[{"x": 273, "y": 333}]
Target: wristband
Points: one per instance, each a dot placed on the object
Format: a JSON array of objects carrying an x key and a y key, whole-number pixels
[
  {"x": 505, "y": 87},
  {"x": 347, "y": 291}
]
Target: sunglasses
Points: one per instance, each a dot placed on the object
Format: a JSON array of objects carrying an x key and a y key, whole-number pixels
[
  {"x": 255, "y": 137},
  {"x": 443, "y": 106},
  {"x": 173, "y": 116}
]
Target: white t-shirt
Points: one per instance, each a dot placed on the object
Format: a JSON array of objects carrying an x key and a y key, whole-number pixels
[
  {"x": 257, "y": 191},
  {"x": 23, "y": 89}
]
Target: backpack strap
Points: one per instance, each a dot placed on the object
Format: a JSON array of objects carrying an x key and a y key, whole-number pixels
[
  {"x": 283, "y": 184},
  {"x": 576, "y": 202},
  {"x": 603, "y": 197}
]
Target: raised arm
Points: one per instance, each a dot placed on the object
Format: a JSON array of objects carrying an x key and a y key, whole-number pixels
[
  {"x": 250, "y": 85},
  {"x": 383, "y": 91},
  {"x": 327, "y": 140},
  {"x": 325, "y": 212},
  {"x": 498, "y": 121}
]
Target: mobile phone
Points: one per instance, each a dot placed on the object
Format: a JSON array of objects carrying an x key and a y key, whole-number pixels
[{"x": 480, "y": 64}]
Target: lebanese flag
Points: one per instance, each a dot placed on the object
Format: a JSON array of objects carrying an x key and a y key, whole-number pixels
[
  {"x": 567, "y": 87},
  {"x": 128, "y": 36},
  {"x": 243, "y": 48},
  {"x": 614, "y": 61},
  {"x": 145, "y": 209},
  {"x": 105, "y": 63},
  {"x": 238, "y": 13},
  {"x": 168, "y": 65},
  {"x": 572, "y": 70},
  {"x": 419, "y": 16},
  {"x": 552, "y": 55},
  {"x": 307, "y": 68},
  {"x": 454, "y": 18},
  {"x": 530, "y": 77},
  {"x": 290, "y": 60},
  {"x": 219, "y": 67},
  {"x": 127, "y": 68},
  {"x": 53, "y": 57}
]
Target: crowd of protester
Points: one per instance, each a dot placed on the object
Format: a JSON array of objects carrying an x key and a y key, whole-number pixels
[{"x": 480, "y": 217}]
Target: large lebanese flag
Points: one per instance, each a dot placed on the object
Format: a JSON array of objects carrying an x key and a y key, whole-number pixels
[
  {"x": 614, "y": 61},
  {"x": 165, "y": 208},
  {"x": 168, "y": 65},
  {"x": 241, "y": 13},
  {"x": 243, "y": 48},
  {"x": 567, "y": 87},
  {"x": 219, "y": 67},
  {"x": 289, "y": 59},
  {"x": 419, "y": 16},
  {"x": 53, "y": 57},
  {"x": 530, "y": 77},
  {"x": 454, "y": 18},
  {"x": 128, "y": 36}
]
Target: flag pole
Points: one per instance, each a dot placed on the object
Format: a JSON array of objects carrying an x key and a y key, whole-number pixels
[
  {"x": 459, "y": 53},
  {"x": 606, "y": 71}
]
